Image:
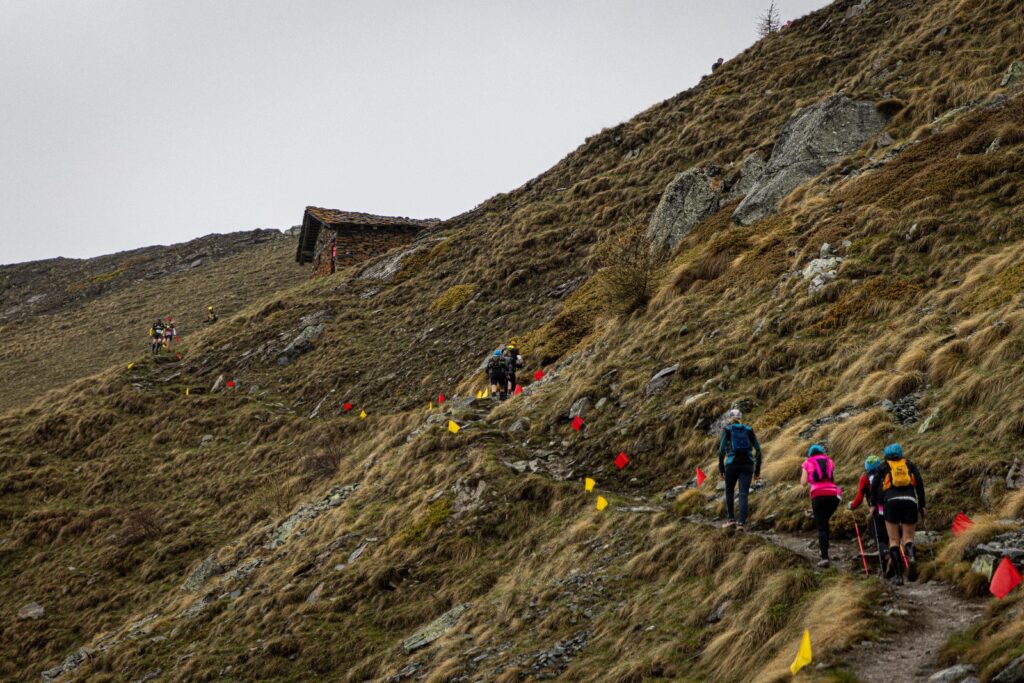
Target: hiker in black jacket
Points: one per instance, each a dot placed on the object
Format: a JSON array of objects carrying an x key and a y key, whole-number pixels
[
  {"x": 899, "y": 487},
  {"x": 739, "y": 461}
]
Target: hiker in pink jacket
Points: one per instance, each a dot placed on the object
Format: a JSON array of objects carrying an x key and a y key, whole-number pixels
[{"x": 818, "y": 472}]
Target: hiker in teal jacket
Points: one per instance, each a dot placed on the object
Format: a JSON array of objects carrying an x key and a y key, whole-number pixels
[{"x": 739, "y": 461}]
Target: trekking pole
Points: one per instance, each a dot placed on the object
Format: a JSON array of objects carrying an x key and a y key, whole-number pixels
[
  {"x": 863, "y": 557},
  {"x": 878, "y": 543}
]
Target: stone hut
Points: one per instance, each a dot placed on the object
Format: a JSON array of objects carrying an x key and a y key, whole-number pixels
[{"x": 331, "y": 239}]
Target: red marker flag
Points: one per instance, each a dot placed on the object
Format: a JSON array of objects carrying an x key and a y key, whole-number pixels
[
  {"x": 518, "y": 390},
  {"x": 621, "y": 460},
  {"x": 440, "y": 399},
  {"x": 961, "y": 523},
  {"x": 347, "y": 407},
  {"x": 231, "y": 384},
  {"x": 177, "y": 356},
  {"x": 539, "y": 375},
  {"x": 1005, "y": 578},
  {"x": 700, "y": 476},
  {"x": 577, "y": 423}
]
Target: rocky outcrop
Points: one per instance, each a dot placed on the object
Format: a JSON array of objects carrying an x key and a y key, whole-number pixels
[
  {"x": 692, "y": 196},
  {"x": 301, "y": 344},
  {"x": 813, "y": 139},
  {"x": 32, "y": 610},
  {"x": 207, "y": 568},
  {"x": 1014, "y": 76},
  {"x": 434, "y": 630},
  {"x": 388, "y": 267},
  {"x": 751, "y": 171},
  {"x": 660, "y": 380},
  {"x": 1013, "y": 673}
]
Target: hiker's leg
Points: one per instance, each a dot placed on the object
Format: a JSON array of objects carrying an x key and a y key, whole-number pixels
[
  {"x": 743, "y": 477},
  {"x": 730, "y": 491},
  {"x": 908, "y": 533},
  {"x": 823, "y": 507},
  {"x": 892, "y": 529}
]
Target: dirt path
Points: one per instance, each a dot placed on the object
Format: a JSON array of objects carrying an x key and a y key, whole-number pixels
[{"x": 922, "y": 615}]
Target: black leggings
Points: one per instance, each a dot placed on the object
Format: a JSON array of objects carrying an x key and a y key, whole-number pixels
[
  {"x": 742, "y": 475},
  {"x": 823, "y": 507}
]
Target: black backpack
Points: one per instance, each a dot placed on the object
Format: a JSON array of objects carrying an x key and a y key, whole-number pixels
[{"x": 496, "y": 365}]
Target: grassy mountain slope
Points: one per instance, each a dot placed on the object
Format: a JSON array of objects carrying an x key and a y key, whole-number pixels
[
  {"x": 329, "y": 539},
  {"x": 64, "y": 319}
]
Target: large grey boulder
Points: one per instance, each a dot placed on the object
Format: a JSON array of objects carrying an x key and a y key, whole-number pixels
[
  {"x": 752, "y": 169},
  {"x": 813, "y": 139},
  {"x": 301, "y": 344},
  {"x": 692, "y": 196}
]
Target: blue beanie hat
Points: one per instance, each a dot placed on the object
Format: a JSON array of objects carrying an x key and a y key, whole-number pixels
[
  {"x": 816, "y": 449},
  {"x": 872, "y": 462},
  {"x": 893, "y": 451}
]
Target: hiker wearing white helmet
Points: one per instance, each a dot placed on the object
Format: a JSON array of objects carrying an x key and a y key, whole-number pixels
[{"x": 739, "y": 461}]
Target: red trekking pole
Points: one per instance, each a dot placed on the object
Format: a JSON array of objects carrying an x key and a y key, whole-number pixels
[{"x": 860, "y": 544}]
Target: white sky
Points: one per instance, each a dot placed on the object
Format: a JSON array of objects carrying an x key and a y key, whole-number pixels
[{"x": 137, "y": 122}]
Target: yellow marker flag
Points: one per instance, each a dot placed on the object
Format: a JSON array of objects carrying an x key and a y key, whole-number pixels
[
  {"x": 487, "y": 393},
  {"x": 186, "y": 391},
  {"x": 131, "y": 365},
  {"x": 803, "y": 655},
  {"x": 430, "y": 406},
  {"x": 362, "y": 414},
  {"x": 453, "y": 428},
  {"x": 588, "y": 483},
  {"x": 601, "y": 503}
]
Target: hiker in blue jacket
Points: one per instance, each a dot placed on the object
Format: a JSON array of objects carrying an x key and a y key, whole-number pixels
[{"x": 739, "y": 461}]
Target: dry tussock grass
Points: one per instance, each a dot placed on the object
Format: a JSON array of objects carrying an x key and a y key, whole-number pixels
[{"x": 868, "y": 336}]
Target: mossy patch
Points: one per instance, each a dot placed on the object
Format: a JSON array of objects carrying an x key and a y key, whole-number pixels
[{"x": 453, "y": 298}]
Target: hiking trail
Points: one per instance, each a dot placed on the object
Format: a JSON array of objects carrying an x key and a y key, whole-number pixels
[{"x": 918, "y": 617}]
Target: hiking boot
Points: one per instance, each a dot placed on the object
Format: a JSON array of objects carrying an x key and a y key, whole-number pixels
[
  {"x": 889, "y": 568},
  {"x": 739, "y": 526},
  {"x": 824, "y": 563},
  {"x": 908, "y": 549},
  {"x": 896, "y": 565},
  {"x": 729, "y": 524}
]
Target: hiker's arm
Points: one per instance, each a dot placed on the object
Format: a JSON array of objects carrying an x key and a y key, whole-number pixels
[
  {"x": 919, "y": 485},
  {"x": 757, "y": 453},
  {"x": 803, "y": 476},
  {"x": 722, "y": 447},
  {"x": 855, "y": 503}
]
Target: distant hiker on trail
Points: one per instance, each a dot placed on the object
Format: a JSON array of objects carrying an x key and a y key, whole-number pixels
[
  {"x": 714, "y": 67},
  {"x": 168, "y": 334},
  {"x": 739, "y": 461},
  {"x": 497, "y": 374},
  {"x": 818, "y": 472},
  {"x": 900, "y": 488},
  {"x": 513, "y": 362},
  {"x": 156, "y": 336},
  {"x": 875, "y": 508},
  {"x": 211, "y": 317}
]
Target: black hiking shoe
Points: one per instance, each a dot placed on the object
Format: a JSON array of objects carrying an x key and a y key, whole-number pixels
[
  {"x": 911, "y": 562},
  {"x": 895, "y": 569}
]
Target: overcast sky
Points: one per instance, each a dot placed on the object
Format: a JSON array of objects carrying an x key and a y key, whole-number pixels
[{"x": 137, "y": 122}]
